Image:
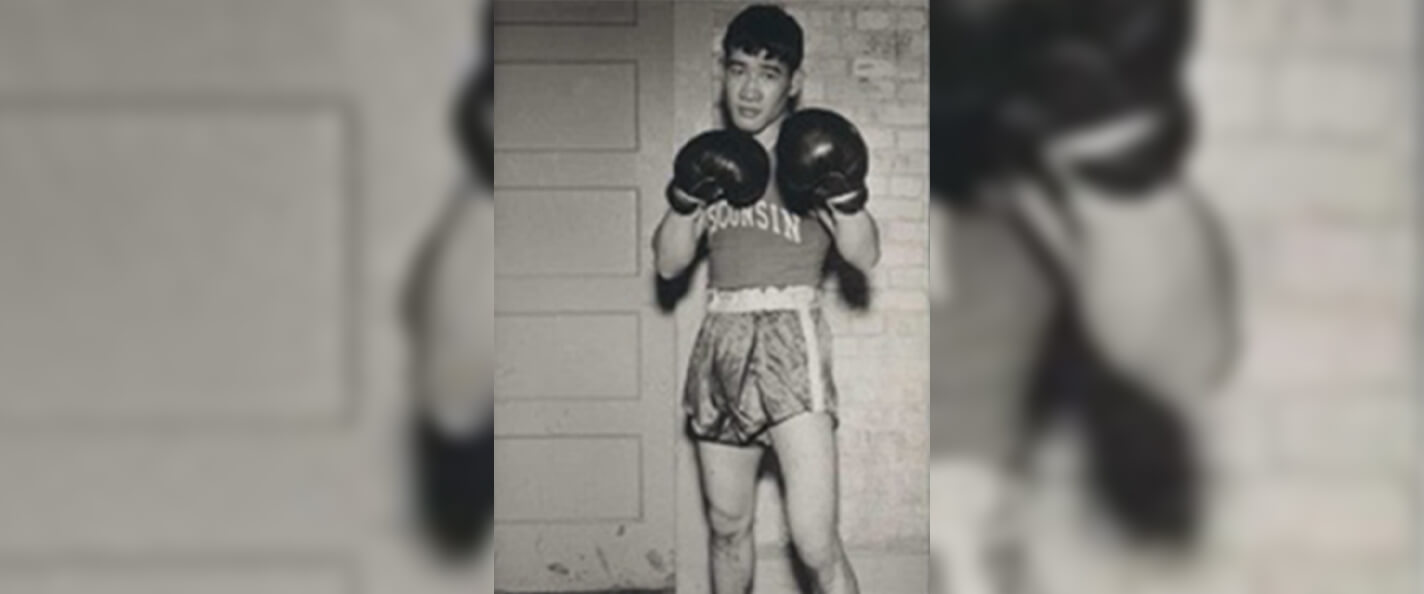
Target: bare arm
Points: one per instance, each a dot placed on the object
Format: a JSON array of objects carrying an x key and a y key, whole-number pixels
[
  {"x": 1154, "y": 280},
  {"x": 675, "y": 241},
  {"x": 857, "y": 237}
]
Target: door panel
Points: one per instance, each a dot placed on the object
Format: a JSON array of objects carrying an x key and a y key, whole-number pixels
[
  {"x": 208, "y": 209},
  {"x": 586, "y": 417}
]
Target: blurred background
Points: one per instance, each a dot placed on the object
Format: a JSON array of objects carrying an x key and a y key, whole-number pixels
[
  {"x": 1307, "y": 150},
  {"x": 208, "y": 209}
]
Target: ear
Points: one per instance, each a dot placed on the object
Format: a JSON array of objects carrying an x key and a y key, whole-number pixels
[{"x": 797, "y": 78}]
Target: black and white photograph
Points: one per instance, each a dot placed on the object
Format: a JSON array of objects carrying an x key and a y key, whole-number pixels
[{"x": 711, "y": 297}]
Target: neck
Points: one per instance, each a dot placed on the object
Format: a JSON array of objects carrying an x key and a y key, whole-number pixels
[{"x": 769, "y": 134}]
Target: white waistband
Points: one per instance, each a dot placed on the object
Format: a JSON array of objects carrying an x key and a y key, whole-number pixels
[{"x": 762, "y": 299}]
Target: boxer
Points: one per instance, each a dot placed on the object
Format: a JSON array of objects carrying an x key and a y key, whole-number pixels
[{"x": 759, "y": 378}]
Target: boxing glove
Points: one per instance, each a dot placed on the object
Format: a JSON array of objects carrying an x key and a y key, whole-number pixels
[
  {"x": 821, "y": 162},
  {"x": 1074, "y": 114},
  {"x": 1148, "y": 41},
  {"x": 1153, "y": 151},
  {"x": 719, "y": 165},
  {"x": 974, "y": 68}
]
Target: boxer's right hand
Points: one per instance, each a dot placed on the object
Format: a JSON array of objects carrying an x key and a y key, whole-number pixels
[{"x": 718, "y": 165}]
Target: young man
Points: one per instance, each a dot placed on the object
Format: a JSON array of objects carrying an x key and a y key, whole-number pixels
[{"x": 759, "y": 376}]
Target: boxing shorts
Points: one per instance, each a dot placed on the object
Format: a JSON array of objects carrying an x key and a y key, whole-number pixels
[{"x": 762, "y": 356}]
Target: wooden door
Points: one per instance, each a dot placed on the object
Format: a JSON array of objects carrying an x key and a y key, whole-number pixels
[
  {"x": 586, "y": 416},
  {"x": 207, "y": 212}
]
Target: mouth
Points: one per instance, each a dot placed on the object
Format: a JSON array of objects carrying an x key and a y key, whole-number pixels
[{"x": 748, "y": 112}]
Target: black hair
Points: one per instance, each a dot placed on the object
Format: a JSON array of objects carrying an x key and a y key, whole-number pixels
[{"x": 766, "y": 29}]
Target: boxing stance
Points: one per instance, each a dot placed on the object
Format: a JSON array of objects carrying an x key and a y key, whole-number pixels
[
  {"x": 450, "y": 323},
  {"x": 1078, "y": 135},
  {"x": 771, "y": 195}
]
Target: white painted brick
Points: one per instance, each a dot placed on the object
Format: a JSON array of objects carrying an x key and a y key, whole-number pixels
[
  {"x": 913, "y": 114},
  {"x": 813, "y": 90},
  {"x": 1237, "y": 437},
  {"x": 912, "y": 161},
  {"x": 1347, "y": 432},
  {"x": 1354, "y": 98},
  {"x": 1252, "y": 25},
  {"x": 911, "y": 20},
  {"x": 881, "y": 45},
  {"x": 1319, "y": 262},
  {"x": 1233, "y": 93},
  {"x": 909, "y": 324},
  {"x": 868, "y": 324},
  {"x": 1279, "y": 516},
  {"x": 907, "y": 232},
  {"x": 1205, "y": 577},
  {"x": 1305, "y": 351},
  {"x": 878, "y": 138},
  {"x": 913, "y": 69},
  {"x": 901, "y": 254},
  {"x": 899, "y": 208},
  {"x": 1370, "y": 27},
  {"x": 914, "y": 92},
  {"x": 910, "y": 278},
  {"x": 908, "y": 186},
  {"x": 873, "y": 68},
  {"x": 1327, "y": 576},
  {"x": 874, "y": 20},
  {"x": 823, "y": 45},
  {"x": 1273, "y": 179},
  {"x": 902, "y": 300},
  {"x": 826, "y": 68},
  {"x": 913, "y": 139}
]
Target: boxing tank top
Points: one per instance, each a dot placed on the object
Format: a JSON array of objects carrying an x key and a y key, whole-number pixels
[{"x": 764, "y": 244}]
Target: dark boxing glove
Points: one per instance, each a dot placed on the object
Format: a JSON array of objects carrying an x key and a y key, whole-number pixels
[
  {"x": 719, "y": 165},
  {"x": 1148, "y": 41},
  {"x": 974, "y": 68},
  {"x": 1068, "y": 105},
  {"x": 822, "y": 161},
  {"x": 1134, "y": 166}
]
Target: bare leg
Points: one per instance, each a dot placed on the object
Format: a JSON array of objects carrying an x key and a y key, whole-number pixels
[
  {"x": 729, "y": 489},
  {"x": 806, "y": 448}
]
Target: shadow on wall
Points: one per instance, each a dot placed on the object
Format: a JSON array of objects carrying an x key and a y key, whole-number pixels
[
  {"x": 1010, "y": 81},
  {"x": 452, "y": 470}
]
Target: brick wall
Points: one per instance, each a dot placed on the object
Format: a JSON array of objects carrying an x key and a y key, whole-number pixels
[
  {"x": 1307, "y": 152},
  {"x": 870, "y": 64}
]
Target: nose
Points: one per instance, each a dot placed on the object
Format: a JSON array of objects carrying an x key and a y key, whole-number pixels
[{"x": 750, "y": 90}]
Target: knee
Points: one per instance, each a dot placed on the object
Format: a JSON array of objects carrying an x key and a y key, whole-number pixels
[
  {"x": 729, "y": 527},
  {"x": 820, "y": 551}
]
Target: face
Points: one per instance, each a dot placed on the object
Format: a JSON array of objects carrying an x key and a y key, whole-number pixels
[{"x": 757, "y": 90}]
